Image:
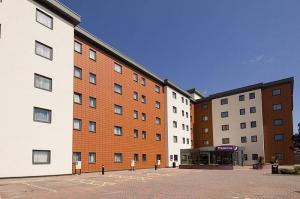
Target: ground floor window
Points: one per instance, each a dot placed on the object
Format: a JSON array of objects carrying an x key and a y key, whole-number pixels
[
  {"x": 175, "y": 158},
  {"x": 158, "y": 157},
  {"x": 279, "y": 156},
  {"x": 41, "y": 156},
  {"x": 118, "y": 157},
  {"x": 144, "y": 157},
  {"x": 245, "y": 157},
  {"x": 76, "y": 156},
  {"x": 92, "y": 157},
  {"x": 254, "y": 156}
]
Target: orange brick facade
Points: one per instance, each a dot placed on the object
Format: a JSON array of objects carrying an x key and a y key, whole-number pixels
[
  {"x": 104, "y": 142},
  {"x": 271, "y": 146}
]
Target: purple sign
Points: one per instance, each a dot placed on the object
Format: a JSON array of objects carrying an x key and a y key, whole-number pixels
[{"x": 226, "y": 148}]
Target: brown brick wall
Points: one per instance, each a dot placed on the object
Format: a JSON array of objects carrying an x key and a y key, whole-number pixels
[
  {"x": 200, "y": 124},
  {"x": 104, "y": 142},
  {"x": 271, "y": 146}
]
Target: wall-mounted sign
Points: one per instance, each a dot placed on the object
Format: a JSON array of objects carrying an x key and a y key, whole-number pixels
[{"x": 226, "y": 148}]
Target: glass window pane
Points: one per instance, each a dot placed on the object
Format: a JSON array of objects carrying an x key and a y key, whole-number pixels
[
  {"x": 42, "y": 82},
  {"x": 41, "y": 157},
  {"x": 43, "y": 50},
  {"x": 42, "y": 115},
  {"x": 44, "y": 19}
]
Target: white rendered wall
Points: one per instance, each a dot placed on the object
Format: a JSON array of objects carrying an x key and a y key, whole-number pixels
[
  {"x": 174, "y": 148},
  {"x": 234, "y": 120},
  {"x": 19, "y": 133}
]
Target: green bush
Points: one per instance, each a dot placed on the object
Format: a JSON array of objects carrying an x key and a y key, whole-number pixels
[
  {"x": 286, "y": 171},
  {"x": 297, "y": 169}
]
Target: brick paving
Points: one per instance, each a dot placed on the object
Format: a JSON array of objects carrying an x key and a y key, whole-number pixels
[{"x": 241, "y": 183}]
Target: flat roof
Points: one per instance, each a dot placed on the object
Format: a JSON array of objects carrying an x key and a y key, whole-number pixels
[
  {"x": 289, "y": 80},
  {"x": 82, "y": 33},
  {"x": 61, "y": 10}
]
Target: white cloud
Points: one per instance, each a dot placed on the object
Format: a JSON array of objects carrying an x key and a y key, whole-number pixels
[{"x": 259, "y": 59}]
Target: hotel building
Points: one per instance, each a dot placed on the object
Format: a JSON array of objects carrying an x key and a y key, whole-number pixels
[{"x": 79, "y": 99}]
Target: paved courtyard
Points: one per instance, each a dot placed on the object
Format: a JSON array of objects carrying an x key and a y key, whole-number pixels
[{"x": 241, "y": 183}]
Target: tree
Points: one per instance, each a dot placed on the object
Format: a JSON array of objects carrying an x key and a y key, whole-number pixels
[{"x": 296, "y": 141}]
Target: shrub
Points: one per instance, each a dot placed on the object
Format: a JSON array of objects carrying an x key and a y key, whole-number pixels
[
  {"x": 286, "y": 171},
  {"x": 297, "y": 169}
]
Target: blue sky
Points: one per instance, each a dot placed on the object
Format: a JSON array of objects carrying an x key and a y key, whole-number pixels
[{"x": 213, "y": 45}]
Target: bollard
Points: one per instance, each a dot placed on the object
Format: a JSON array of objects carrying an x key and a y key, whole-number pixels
[
  {"x": 155, "y": 167},
  {"x": 102, "y": 169}
]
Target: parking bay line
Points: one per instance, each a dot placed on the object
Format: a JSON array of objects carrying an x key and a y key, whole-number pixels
[{"x": 39, "y": 187}]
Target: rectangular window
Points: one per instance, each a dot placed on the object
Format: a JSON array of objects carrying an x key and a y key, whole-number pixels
[
  {"x": 175, "y": 158},
  {"x": 279, "y": 156},
  {"x": 242, "y": 111},
  {"x": 254, "y": 156},
  {"x": 76, "y": 157},
  {"x": 77, "y": 98},
  {"x": 43, "y": 50},
  {"x": 92, "y": 126},
  {"x": 118, "y": 130},
  {"x": 204, "y": 106},
  {"x": 93, "y": 55},
  {"x": 144, "y": 117},
  {"x": 41, "y": 156},
  {"x": 174, "y": 109},
  {"x": 135, "y": 114},
  {"x": 135, "y": 77},
  {"x": 187, "y": 127},
  {"x": 242, "y": 98},
  {"x": 243, "y": 125},
  {"x": 253, "y": 109},
  {"x": 118, "y": 68},
  {"x": 157, "y": 105},
  {"x": 225, "y": 127},
  {"x": 187, "y": 141},
  {"x": 224, "y": 101},
  {"x": 118, "y": 109},
  {"x": 93, "y": 102},
  {"x": 92, "y": 158},
  {"x": 276, "y": 92},
  {"x": 205, "y": 118},
  {"x": 144, "y": 157},
  {"x": 183, "y": 127},
  {"x": 245, "y": 157},
  {"x": 118, "y": 89},
  {"x": 135, "y": 96},
  {"x": 77, "y": 72},
  {"x": 77, "y": 124},
  {"x": 174, "y": 95},
  {"x": 118, "y": 158},
  {"x": 182, "y": 99},
  {"x": 42, "y": 82},
  {"x": 253, "y": 124},
  {"x": 92, "y": 78},
  {"x": 157, "y": 121},
  {"x": 44, "y": 19},
  {"x": 158, "y": 137},
  {"x": 143, "y": 99},
  {"x": 278, "y": 137},
  {"x": 144, "y": 135},
  {"x": 183, "y": 140},
  {"x": 205, "y": 130},
  {"x": 135, "y": 133},
  {"x": 158, "y": 157},
  {"x": 278, "y": 122},
  {"x": 187, "y": 115},
  {"x": 224, "y": 114},
  {"x": 136, "y": 157},
  {"x": 277, "y": 107},
  {"x": 42, "y": 115},
  {"x": 225, "y": 141},
  {"x": 174, "y": 124},
  {"x": 175, "y": 139},
  {"x": 143, "y": 82},
  {"x": 157, "y": 89},
  {"x": 182, "y": 113},
  {"x": 254, "y": 138},
  {"x": 186, "y": 102},
  {"x": 251, "y": 95},
  {"x": 77, "y": 47},
  {"x": 206, "y": 142},
  {"x": 244, "y": 139}
]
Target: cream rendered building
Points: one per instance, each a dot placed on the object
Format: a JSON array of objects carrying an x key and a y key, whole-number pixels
[{"x": 36, "y": 61}]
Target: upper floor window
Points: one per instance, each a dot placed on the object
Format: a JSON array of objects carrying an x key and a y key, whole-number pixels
[
  {"x": 92, "y": 78},
  {"x": 144, "y": 117},
  {"x": 42, "y": 82},
  {"x": 182, "y": 113},
  {"x": 242, "y": 111},
  {"x": 279, "y": 156},
  {"x": 157, "y": 89},
  {"x": 225, "y": 127},
  {"x": 183, "y": 127},
  {"x": 278, "y": 137},
  {"x": 276, "y": 92},
  {"x": 135, "y": 77},
  {"x": 77, "y": 72},
  {"x": 183, "y": 140},
  {"x": 157, "y": 104},
  {"x": 118, "y": 68},
  {"x": 242, "y": 98},
  {"x": 206, "y": 142},
  {"x": 143, "y": 99},
  {"x": 44, "y": 19},
  {"x": 77, "y": 47},
  {"x": 204, "y": 106},
  {"x": 77, "y": 98},
  {"x": 224, "y": 101},
  {"x": 118, "y": 109},
  {"x": 182, "y": 99},
  {"x": 144, "y": 135},
  {"x": 93, "y": 55},
  {"x": 278, "y": 122},
  {"x": 157, "y": 121},
  {"x": 118, "y": 88},
  {"x": 243, "y": 125},
  {"x": 225, "y": 140},
  {"x": 135, "y": 114},
  {"x": 93, "y": 102},
  {"x": 118, "y": 130},
  {"x": 186, "y": 102},
  {"x": 277, "y": 107},
  {"x": 174, "y": 95},
  {"x": 253, "y": 109},
  {"x": 174, "y": 124},
  {"x": 77, "y": 124},
  {"x": 158, "y": 137},
  {"x": 253, "y": 124},
  {"x": 174, "y": 109},
  {"x": 135, "y": 133},
  {"x": 254, "y": 138},
  {"x": 224, "y": 114},
  {"x": 143, "y": 82},
  {"x": 244, "y": 139},
  {"x": 251, "y": 95},
  {"x": 135, "y": 96},
  {"x": 205, "y": 118},
  {"x": 42, "y": 115},
  {"x": 175, "y": 140},
  {"x": 43, "y": 50},
  {"x": 92, "y": 126}
]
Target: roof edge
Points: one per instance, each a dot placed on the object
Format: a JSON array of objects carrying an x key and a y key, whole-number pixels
[{"x": 177, "y": 88}]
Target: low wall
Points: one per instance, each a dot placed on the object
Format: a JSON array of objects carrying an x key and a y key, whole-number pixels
[{"x": 207, "y": 167}]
